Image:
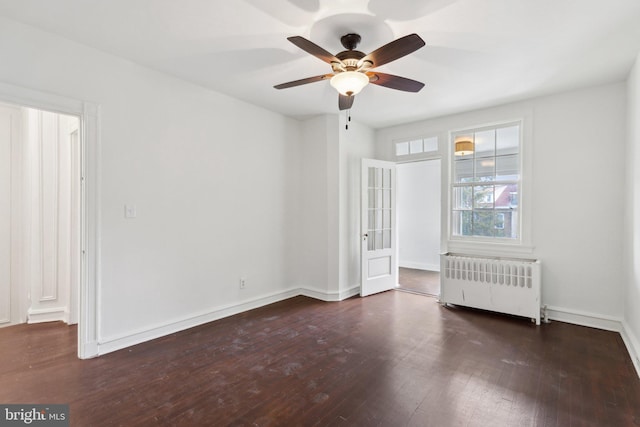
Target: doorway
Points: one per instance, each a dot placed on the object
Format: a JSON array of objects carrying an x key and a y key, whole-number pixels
[
  {"x": 40, "y": 199},
  {"x": 419, "y": 235}
]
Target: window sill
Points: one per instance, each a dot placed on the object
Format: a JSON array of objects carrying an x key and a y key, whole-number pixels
[{"x": 488, "y": 248}]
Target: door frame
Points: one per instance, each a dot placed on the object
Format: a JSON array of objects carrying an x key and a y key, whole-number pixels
[
  {"x": 441, "y": 204},
  {"x": 89, "y": 116}
]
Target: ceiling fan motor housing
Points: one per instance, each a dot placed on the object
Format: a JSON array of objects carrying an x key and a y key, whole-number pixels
[
  {"x": 350, "y": 58},
  {"x": 350, "y": 41}
]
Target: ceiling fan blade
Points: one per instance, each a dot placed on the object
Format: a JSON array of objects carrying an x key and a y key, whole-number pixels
[
  {"x": 394, "y": 50},
  {"x": 345, "y": 102},
  {"x": 395, "y": 82},
  {"x": 303, "y": 81},
  {"x": 313, "y": 49}
]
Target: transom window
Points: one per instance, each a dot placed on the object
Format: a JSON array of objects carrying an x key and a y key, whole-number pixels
[
  {"x": 486, "y": 184},
  {"x": 417, "y": 146}
]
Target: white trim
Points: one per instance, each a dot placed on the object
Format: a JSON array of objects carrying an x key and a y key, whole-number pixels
[
  {"x": 633, "y": 345},
  {"x": 485, "y": 248},
  {"x": 583, "y": 318},
  {"x": 109, "y": 344},
  {"x": 419, "y": 265},
  {"x": 47, "y": 315},
  {"x": 118, "y": 342},
  {"x": 468, "y": 244},
  {"x": 330, "y": 296}
]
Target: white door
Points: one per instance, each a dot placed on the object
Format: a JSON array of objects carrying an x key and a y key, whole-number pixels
[{"x": 378, "y": 231}]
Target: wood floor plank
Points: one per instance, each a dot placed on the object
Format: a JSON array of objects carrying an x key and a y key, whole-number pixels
[{"x": 392, "y": 359}]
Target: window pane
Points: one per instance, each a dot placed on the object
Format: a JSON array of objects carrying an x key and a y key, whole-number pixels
[
  {"x": 512, "y": 230},
  {"x": 372, "y": 178},
  {"x": 485, "y": 143},
  {"x": 483, "y": 223},
  {"x": 386, "y": 199},
  {"x": 386, "y": 178},
  {"x": 386, "y": 239},
  {"x": 372, "y": 198},
  {"x": 378, "y": 242},
  {"x": 378, "y": 219},
  {"x": 506, "y": 224},
  {"x": 378, "y": 182},
  {"x": 462, "y": 223},
  {"x": 463, "y": 170},
  {"x": 508, "y": 140},
  {"x": 507, "y": 167},
  {"x": 430, "y": 144},
  {"x": 402, "y": 148},
  {"x": 462, "y": 198},
  {"x": 483, "y": 197},
  {"x": 499, "y": 224},
  {"x": 372, "y": 218},
  {"x": 378, "y": 199},
  {"x": 386, "y": 218},
  {"x": 485, "y": 169},
  {"x": 506, "y": 196},
  {"x": 415, "y": 146}
]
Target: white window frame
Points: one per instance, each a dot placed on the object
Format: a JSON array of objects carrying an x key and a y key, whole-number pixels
[
  {"x": 422, "y": 154},
  {"x": 490, "y": 245}
]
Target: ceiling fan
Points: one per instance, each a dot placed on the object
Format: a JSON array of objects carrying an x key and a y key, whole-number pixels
[{"x": 352, "y": 68}]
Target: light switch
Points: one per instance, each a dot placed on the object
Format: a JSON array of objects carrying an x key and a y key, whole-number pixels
[{"x": 130, "y": 211}]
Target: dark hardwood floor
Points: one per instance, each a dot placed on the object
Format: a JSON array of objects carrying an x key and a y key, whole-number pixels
[
  {"x": 420, "y": 281},
  {"x": 392, "y": 359}
]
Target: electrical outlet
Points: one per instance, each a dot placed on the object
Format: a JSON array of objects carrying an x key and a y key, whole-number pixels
[
  {"x": 130, "y": 211},
  {"x": 243, "y": 283}
]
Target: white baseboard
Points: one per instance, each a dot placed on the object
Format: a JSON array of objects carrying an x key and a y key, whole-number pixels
[
  {"x": 330, "y": 296},
  {"x": 114, "y": 343},
  {"x": 583, "y": 318},
  {"x": 109, "y": 344},
  {"x": 351, "y": 292},
  {"x": 89, "y": 350},
  {"x": 47, "y": 315},
  {"x": 633, "y": 345},
  {"x": 419, "y": 265}
]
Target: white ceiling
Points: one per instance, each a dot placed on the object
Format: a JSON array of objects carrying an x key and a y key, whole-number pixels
[{"x": 479, "y": 52}]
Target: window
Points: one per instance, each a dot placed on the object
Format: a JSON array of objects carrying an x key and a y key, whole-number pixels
[
  {"x": 486, "y": 184},
  {"x": 416, "y": 146}
]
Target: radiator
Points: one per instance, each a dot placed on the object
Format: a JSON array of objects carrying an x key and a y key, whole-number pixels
[{"x": 505, "y": 285}]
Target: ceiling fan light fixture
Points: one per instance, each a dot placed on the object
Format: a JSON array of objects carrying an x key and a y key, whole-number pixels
[
  {"x": 349, "y": 83},
  {"x": 463, "y": 146}
]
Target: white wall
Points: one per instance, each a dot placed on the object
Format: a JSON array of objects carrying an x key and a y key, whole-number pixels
[
  {"x": 356, "y": 143},
  {"x": 632, "y": 217},
  {"x": 211, "y": 177},
  {"x": 418, "y": 207},
  {"x": 577, "y": 143},
  {"x": 330, "y": 196},
  {"x": 317, "y": 141}
]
